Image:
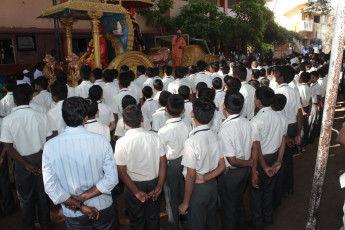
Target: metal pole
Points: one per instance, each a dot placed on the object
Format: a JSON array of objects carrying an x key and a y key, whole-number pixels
[{"x": 328, "y": 114}]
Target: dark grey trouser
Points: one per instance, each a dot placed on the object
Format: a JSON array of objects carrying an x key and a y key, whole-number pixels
[
  {"x": 202, "y": 212},
  {"x": 5, "y": 191},
  {"x": 143, "y": 216},
  {"x": 30, "y": 189},
  {"x": 231, "y": 187},
  {"x": 174, "y": 192},
  {"x": 106, "y": 221},
  {"x": 262, "y": 199}
]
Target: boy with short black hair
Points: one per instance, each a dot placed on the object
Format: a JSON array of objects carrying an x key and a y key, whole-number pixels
[
  {"x": 201, "y": 155},
  {"x": 7, "y": 102},
  {"x": 97, "y": 73},
  {"x": 173, "y": 134},
  {"x": 157, "y": 87},
  {"x": 201, "y": 76},
  {"x": 62, "y": 77},
  {"x": 167, "y": 71},
  {"x": 316, "y": 107},
  {"x": 306, "y": 103},
  {"x": 184, "y": 91},
  {"x": 150, "y": 77},
  {"x": 44, "y": 98},
  {"x": 149, "y": 107},
  {"x": 109, "y": 89},
  {"x": 121, "y": 128},
  {"x": 59, "y": 94},
  {"x": 141, "y": 163},
  {"x": 82, "y": 90},
  {"x": 160, "y": 116},
  {"x": 133, "y": 88},
  {"x": 141, "y": 76},
  {"x": 217, "y": 118},
  {"x": 180, "y": 79}
]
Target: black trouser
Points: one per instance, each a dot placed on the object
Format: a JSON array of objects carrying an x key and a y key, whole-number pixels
[
  {"x": 30, "y": 191},
  {"x": 262, "y": 199},
  {"x": 5, "y": 191},
  {"x": 306, "y": 128},
  {"x": 231, "y": 187},
  {"x": 202, "y": 212},
  {"x": 106, "y": 221},
  {"x": 143, "y": 215},
  {"x": 174, "y": 192}
]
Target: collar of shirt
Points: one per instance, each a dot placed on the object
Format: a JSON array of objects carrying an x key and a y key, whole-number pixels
[
  {"x": 99, "y": 101},
  {"x": 244, "y": 83},
  {"x": 9, "y": 93},
  {"x": 90, "y": 121},
  {"x": 283, "y": 85},
  {"x": 219, "y": 90},
  {"x": 173, "y": 120},
  {"x": 304, "y": 83},
  {"x": 135, "y": 130},
  {"x": 186, "y": 101},
  {"x": 74, "y": 129},
  {"x": 21, "y": 107},
  {"x": 168, "y": 77},
  {"x": 123, "y": 89},
  {"x": 99, "y": 80},
  {"x": 200, "y": 128},
  {"x": 161, "y": 109},
  {"x": 264, "y": 109},
  {"x": 314, "y": 84}
]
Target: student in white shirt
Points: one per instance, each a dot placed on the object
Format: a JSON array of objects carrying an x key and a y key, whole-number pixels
[
  {"x": 236, "y": 136},
  {"x": 214, "y": 68},
  {"x": 180, "y": 80},
  {"x": 141, "y": 76},
  {"x": 173, "y": 134},
  {"x": 44, "y": 98},
  {"x": 150, "y": 77},
  {"x": 249, "y": 70},
  {"x": 167, "y": 71},
  {"x": 38, "y": 71},
  {"x": 59, "y": 94},
  {"x": 191, "y": 71},
  {"x": 133, "y": 88},
  {"x": 160, "y": 116},
  {"x": 20, "y": 78},
  {"x": 274, "y": 74},
  {"x": 92, "y": 124},
  {"x": 82, "y": 90},
  {"x": 62, "y": 77},
  {"x": 105, "y": 115},
  {"x": 316, "y": 92},
  {"x": 201, "y": 155},
  {"x": 149, "y": 107},
  {"x": 224, "y": 70},
  {"x": 247, "y": 91},
  {"x": 141, "y": 163},
  {"x": 109, "y": 89},
  {"x": 269, "y": 136},
  {"x": 201, "y": 76},
  {"x": 305, "y": 96},
  {"x": 158, "y": 88},
  {"x": 97, "y": 73},
  {"x": 322, "y": 74},
  {"x": 7, "y": 102},
  {"x": 184, "y": 91}
]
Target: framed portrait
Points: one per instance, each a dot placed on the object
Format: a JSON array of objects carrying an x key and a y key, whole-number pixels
[{"x": 26, "y": 43}]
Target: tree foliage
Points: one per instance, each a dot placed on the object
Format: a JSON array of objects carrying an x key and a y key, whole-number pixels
[{"x": 322, "y": 7}]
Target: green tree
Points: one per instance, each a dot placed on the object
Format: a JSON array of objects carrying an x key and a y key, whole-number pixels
[{"x": 322, "y": 7}]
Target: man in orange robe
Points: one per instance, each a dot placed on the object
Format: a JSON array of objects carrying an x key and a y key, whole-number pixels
[{"x": 178, "y": 43}]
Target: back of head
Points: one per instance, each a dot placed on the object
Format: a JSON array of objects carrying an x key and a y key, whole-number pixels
[
  {"x": 301, "y": 67},
  {"x": 262, "y": 72},
  {"x": 200, "y": 85},
  {"x": 147, "y": 92},
  {"x": 305, "y": 77},
  {"x": 85, "y": 72},
  {"x": 19, "y": 75},
  {"x": 256, "y": 74},
  {"x": 59, "y": 90},
  {"x": 276, "y": 70},
  {"x": 42, "y": 81},
  {"x": 201, "y": 65},
  {"x": 124, "y": 68},
  {"x": 95, "y": 92},
  {"x": 131, "y": 75},
  {"x": 314, "y": 73},
  {"x": 192, "y": 69},
  {"x": 22, "y": 94},
  {"x": 132, "y": 116},
  {"x": 225, "y": 69},
  {"x": 255, "y": 64},
  {"x": 215, "y": 66},
  {"x": 246, "y": 64},
  {"x": 61, "y": 77},
  {"x": 287, "y": 72},
  {"x": 322, "y": 72},
  {"x": 207, "y": 92},
  {"x": 156, "y": 71},
  {"x": 115, "y": 73},
  {"x": 74, "y": 110},
  {"x": 10, "y": 83},
  {"x": 203, "y": 109},
  {"x": 125, "y": 79},
  {"x": 158, "y": 84},
  {"x": 241, "y": 72},
  {"x": 279, "y": 102},
  {"x": 128, "y": 100},
  {"x": 175, "y": 105},
  {"x": 184, "y": 91},
  {"x": 233, "y": 84},
  {"x": 97, "y": 72},
  {"x": 254, "y": 83},
  {"x": 108, "y": 75},
  {"x": 217, "y": 83},
  {"x": 168, "y": 70},
  {"x": 234, "y": 103},
  {"x": 264, "y": 82},
  {"x": 265, "y": 95},
  {"x": 92, "y": 107},
  {"x": 141, "y": 69},
  {"x": 163, "y": 98},
  {"x": 180, "y": 71},
  {"x": 149, "y": 72}
]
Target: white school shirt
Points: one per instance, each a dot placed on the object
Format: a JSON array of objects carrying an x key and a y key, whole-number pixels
[
  {"x": 283, "y": 119},
  {"x": 37, "y": 107},
  {"x": 292, "y": 102},
  {"x": 44, "y": 98},
  {"x": 201, "y": 151},
  {"x": 156, "y": 97},
  {"x": 55, "y": 118},
  {"x": 105, "y": 114},
  {"x": 236, "y": 136},
  {"x": 149, "y": 108},
  {"x": 273, "y": 84},
  {"x": 219, "y": 100},
  {"x": 140, "y": 81},
  {"x": 109, "y": 91},
  {"x": 214, "y": 75},
  {"x": 315, "y": 91},
  {"x": 166, "y": 80},
  {"x": 323, "y": 84},
  {"x": 191, "y": 80},
  {"x": 216, "y": 121},
  {"x": 37, "y": 74},
  {"x": 7, "y": 104},
  {"x": 82, "y": 90},
  {"x": 305, "y": 94},
  {"x": 27, "y": 129},
  {"x": 269, "y": 130},
  {"x": 149, "y": 82},
  {"x": 20, "y": 82},
  {"x": 71, "y": 91},
  {"x": 116, "y": 102},
  {"x": 202, "y": 77},
  {"x": 173, "y": 134},
  {"x": 140, "y": 151},
  {"x": 97, "y": 127},
  {"x": 187, "y": 115},
  {"x": 159, "y": 118},
  {"x": 135, "y": 90},
  {"x": 175, "y": 85},
  {"x": 99, "y": 82},
  {"x": 248, "y": 93},
  {"x": 121, "y": 128},
  {"x": 249, "y": 75}
]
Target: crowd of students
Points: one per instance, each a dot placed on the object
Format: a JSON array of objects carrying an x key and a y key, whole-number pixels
[{"x": 201, "y": 135}]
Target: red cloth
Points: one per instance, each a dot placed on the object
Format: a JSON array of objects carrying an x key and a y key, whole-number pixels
[{"x": 177, "y": 50}]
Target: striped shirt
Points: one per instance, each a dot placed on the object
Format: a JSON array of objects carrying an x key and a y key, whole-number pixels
[{"x": 74, "y": 162}]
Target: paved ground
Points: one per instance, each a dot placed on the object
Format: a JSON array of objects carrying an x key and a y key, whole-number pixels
[{"x": 292, "y": 214}]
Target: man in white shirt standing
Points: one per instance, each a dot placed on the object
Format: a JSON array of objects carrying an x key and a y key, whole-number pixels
[
  {"x": 62, "y": 77},
  {"x": 44, "y": 98},
  {"x": 167, "y": 76},
  {"x": 82, "y": 90},
  {"x": 141, "y": 76},
  {"x": 109, "y": 89},
  {"x": 7, "y": 102},
  {"x": 180, "y": 72},
  {"x": 97, "y": 73},
  {"x": 38, "y": 71},
  {"x": 214, "y": 68},
  {"x": 201, "y": 76},
  {"x": 24, "y": 133}
]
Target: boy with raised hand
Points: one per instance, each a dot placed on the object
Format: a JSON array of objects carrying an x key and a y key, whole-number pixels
[
  {"x": 173, "y": 135},
  {"x": 201, "y": 154},
  {"x": 141, "y": 164}
]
